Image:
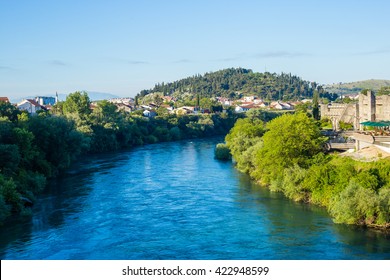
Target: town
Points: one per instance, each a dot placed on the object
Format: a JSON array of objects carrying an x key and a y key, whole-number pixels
[
  {"x": 367, "y": 115},
  {"x": 149, "y": 109}
]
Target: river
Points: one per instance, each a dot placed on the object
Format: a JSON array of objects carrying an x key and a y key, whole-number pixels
[{"x": 175, "y": 201}]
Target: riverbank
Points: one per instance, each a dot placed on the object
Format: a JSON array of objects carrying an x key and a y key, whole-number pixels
[{"x": 286, "y": 156}]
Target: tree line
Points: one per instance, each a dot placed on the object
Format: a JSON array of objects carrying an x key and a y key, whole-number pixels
[
  {"x": 286, "y": 155},
  {"x": 34, "y": 149},
  {"x": 234, "y": 83}
]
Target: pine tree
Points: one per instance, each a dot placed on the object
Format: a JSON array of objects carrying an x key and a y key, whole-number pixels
[{"x": 316, "y": 109}]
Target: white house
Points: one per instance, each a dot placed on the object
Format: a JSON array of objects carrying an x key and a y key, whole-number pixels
[
  {"x": 238, "y": 109},
  {"x": 249, "y": 98},
  {"x": 149, "y": 114},
  {"x": 243, "y": 108},
  {"x": 287, "y": 106},
  {"x": 281, "y": 105},
  {"x": 146, "y": 107},
  {"x": 29, "y": 105},
  {"x": 185, "y": 110},
  {"x": 262, "y": 105},
  {"x": 123, "y": 107},
  {"x": 122, "y": 100}
]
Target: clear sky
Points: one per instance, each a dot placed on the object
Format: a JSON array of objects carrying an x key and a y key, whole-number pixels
[{"x": 122, "y": 47}]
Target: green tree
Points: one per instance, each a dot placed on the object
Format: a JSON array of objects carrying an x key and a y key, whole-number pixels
[
  {"x": 157, "y": 99},
  {"x": 105, "y": 114},
  {"x": 243, "y": 133},
  {"x": 290, "y": 140},
  {"x": 222, "y": 152},
  {"x": 302, "y": 108},
  {"x": 77, "y": 103},
  {"x": 316, "y": 107},
  {"x": 9, "y": 111},
  {"x": 57, "y": 141},
  {"x": 10, "y": 158},
  {"x": 162, "y": 112}
]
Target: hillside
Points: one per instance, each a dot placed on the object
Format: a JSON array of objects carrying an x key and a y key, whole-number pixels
[
  {"x": 356, "y": 87},
  {"x": 234, "y": 83}
]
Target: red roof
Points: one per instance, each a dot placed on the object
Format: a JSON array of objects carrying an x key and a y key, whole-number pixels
[
  {"x": 33, "y": 102},
  {"x": 4, "y": 99}
]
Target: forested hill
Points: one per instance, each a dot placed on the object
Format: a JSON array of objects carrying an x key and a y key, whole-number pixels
[{"x": 236, "y": 82}]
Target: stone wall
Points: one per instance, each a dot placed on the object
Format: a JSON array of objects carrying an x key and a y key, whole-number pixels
[
  {"x": 337, "y": 112},
  {"x": 382, "y": 108}
]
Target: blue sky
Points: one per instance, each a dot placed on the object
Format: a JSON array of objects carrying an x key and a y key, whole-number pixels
[{"x": 122, "y": 47}]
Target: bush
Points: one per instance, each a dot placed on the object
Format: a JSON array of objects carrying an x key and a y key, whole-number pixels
[
  {"x": 384, "y": 207},
  {"x": 292, "y": 183},
  {"x": 175, "y": 133},
  {"x": 355, "y": 205},
  {"x": 10, "y": 195},
  {"x": 222, "y": 152}
]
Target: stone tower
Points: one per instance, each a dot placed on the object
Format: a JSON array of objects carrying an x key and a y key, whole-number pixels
[{"x": 367, "y": 106}]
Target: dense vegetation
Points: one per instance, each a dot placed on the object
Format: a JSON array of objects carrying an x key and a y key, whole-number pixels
[
  {"x": 286, "y": 155},
  {"x": 36, "y": 148},
  {"x": 234, "y": 83}
]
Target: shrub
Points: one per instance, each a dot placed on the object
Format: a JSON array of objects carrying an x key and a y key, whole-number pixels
[
  {"x": 222, "y": 152},
  {"x": 384, "y": 206},
  {"x": 292, "y": 183},
  {"x": 355, "y": 205}
]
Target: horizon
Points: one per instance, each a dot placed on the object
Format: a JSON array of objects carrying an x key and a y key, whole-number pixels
[{"x": 124, "y": 47}]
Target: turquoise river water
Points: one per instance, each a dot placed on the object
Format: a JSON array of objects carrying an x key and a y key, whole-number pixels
[{"x": 175, "y": 201}]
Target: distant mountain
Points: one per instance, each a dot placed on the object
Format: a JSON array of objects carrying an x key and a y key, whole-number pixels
[
  {"x": 93, "y": 95},
  {"x": 356, "y": 87},
  {"x": 237, "y": 82}
]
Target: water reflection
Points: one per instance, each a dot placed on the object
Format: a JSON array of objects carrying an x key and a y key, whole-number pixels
[
  {"x": 364, "y": 242},
  {"x": 299, "y": 230}
]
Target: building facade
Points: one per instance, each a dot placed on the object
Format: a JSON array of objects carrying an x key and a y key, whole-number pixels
[
  {"x": 369, "y": 108},
  {"x": 45, "y": 100},
  {"x": 30, "y": 106},
  {"x": 374, "y": 108}
]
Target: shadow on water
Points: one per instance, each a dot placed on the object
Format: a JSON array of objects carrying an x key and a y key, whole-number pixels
[
  {"x": 61, "y": 198},
  {"x": 364, "y": 242},
  {"x": 299, "y": 230}
]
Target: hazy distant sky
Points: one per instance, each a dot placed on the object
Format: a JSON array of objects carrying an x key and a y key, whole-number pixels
[{"x": 122, "y": 47}]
